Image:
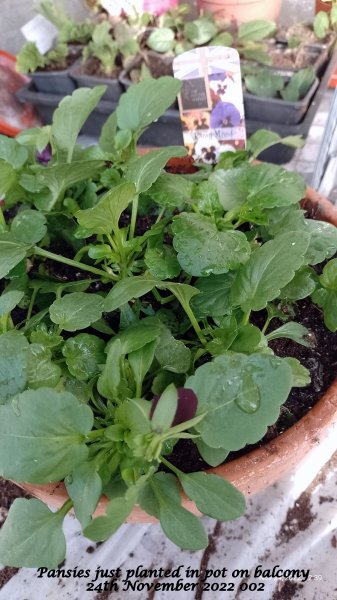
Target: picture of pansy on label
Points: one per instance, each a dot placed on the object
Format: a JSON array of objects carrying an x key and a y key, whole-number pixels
[{"x": 211, "y": 102}]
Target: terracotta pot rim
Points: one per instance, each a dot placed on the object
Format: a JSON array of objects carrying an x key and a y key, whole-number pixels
[{"x": 267, "y": 463}]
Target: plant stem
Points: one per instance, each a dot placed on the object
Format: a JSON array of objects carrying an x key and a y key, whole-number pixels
[
  {"x": 2, "y": 218},
  {"x": 161, "y": 214},
  {"x": 133, "y": 217},
  {"x": 111, "y": 242},
  {"x": 73, "y": 263},
  {"x": 194, "y": 323},
  {"x": 170, "y": 466},
  {"x": 95, "y": 433},
  {"x": 65, "y": 508},
  {"x": 31, "y": 304},
  {"x": 245, "y": 319},
  {"x": 266, "y": 325}
]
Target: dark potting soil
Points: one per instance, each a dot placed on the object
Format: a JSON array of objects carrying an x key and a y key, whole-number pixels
[
  {"x": 93, "y": 67},
  {"x": 292, "y": 58},
  {"x": 158, "y": 64},
  {"x": 9, "y": 492},
  {"x": 63, "y": 64},
  {"x": 304, "y": 33}
]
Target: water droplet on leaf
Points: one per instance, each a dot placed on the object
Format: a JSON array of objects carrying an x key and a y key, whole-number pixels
[{"x": 248, "y": 398}]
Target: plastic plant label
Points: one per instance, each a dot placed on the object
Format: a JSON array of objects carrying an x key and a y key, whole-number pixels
[
  {"x": 211, "y": 102},
  {"x": 41, "y": 31}
]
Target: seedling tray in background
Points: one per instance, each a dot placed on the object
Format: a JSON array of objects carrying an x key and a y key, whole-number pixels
[
  {"x": 277, "y": 110},
  {"x": 114, "y": 87}
]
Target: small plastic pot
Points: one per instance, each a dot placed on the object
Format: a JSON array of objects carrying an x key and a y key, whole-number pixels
[
  {"x": 114, "y": 87},
  {"x": 54, "y": 82},
  {"x": 277, "y": 110}
]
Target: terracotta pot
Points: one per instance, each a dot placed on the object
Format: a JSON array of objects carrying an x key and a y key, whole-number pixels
[
  {"x": 242, "y": 10},
  {"x": 326, "y": 6},
  {"x": 260, "y": 468}
]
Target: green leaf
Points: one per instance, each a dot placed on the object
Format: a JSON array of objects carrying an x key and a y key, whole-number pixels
[
  {"x": 256, "y": 52},
  {"x": 301, "y": 375},
  {"x": 328, "y": 279},
  {"x": 165, "y": 410},
  {"x": 323, "y": 241},
  {"x": 9, "y": 300},
  {"x": 200, "y": 31},
  {"x": 241, "y": 396},
  {"x": 12, "y": 152},
  {"x": 127, "y": 289},
  {"x": 264, "y": 83},
  {"x": 8, "y": 177},
  {"x": 135, "y": 416},
  {"x": 161, "y": 260},
  {"x": 144, "y": 170},
  {"x": 29, "y": 58},
  {"x": 321, "y": 24},
  {"x": 326, "y": 296},
  {"x": 299, "y": 85},
  {"x": 213, "y": 299},
  {"x": 213, "y": 456},
  {"x": 12, "y": 253},
  {"x": 183, "y": 292},
  {"x": 76, "y": 311},
  {"x": 58, "y": 178},
  {"x": 102, "y": 528},
  {"x": 172, "y": 354},
  {"x": 180, "y": 526},
  {"x": 70, "y": 116},
  {"x": 39, "y": 449},
  {"x": 264, "y": 138},
  {"x": 29, "y": 226},
  {"x": 225, "y": 250},
  {"x": 213, "y": 495},
  {"x": 84, "y": 487},
  {"x": 248, "y": 339},
  {"x": 223, "y": 336},
  {"x": 207, "y": 197},
  {"x": 301, "y": 286},
  {"x": 222, "y": 39},
  {"x": 141, "y": 360},
  {"x": 41, "y": 371},
  {"x": 84, "y": 353},
  {"x": 132, "y": 339},
  {"x": 161, "y": 39},
  {"x": 261, "y": 186},
  {"x": 327, "y": 300},
  {"x": 268, "y": 270},
  {"x": 104, "y": 216},
  {"x": 145, "y": 102},
  {"x": 281, "y": 219},
  {"x": 171, "y": 190},
  {"x": 32, "y": 536},
  {"x": 292, "y": 331},
  {"x": 254, "y": 31},
  {"x": 109, "y": 380},
  {"x": 13, "y": 364},
  {"x": 108, "y": 133}
]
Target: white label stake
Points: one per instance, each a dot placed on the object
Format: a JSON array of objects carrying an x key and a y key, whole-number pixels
[
  {"x": 41, "y": 31},
  {"x": 211, "y": 101}
]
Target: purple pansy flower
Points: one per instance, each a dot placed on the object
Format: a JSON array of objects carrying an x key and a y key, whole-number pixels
[
  {"x": 45, "y": 156},
  {"x": 186, "y": 409}
]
